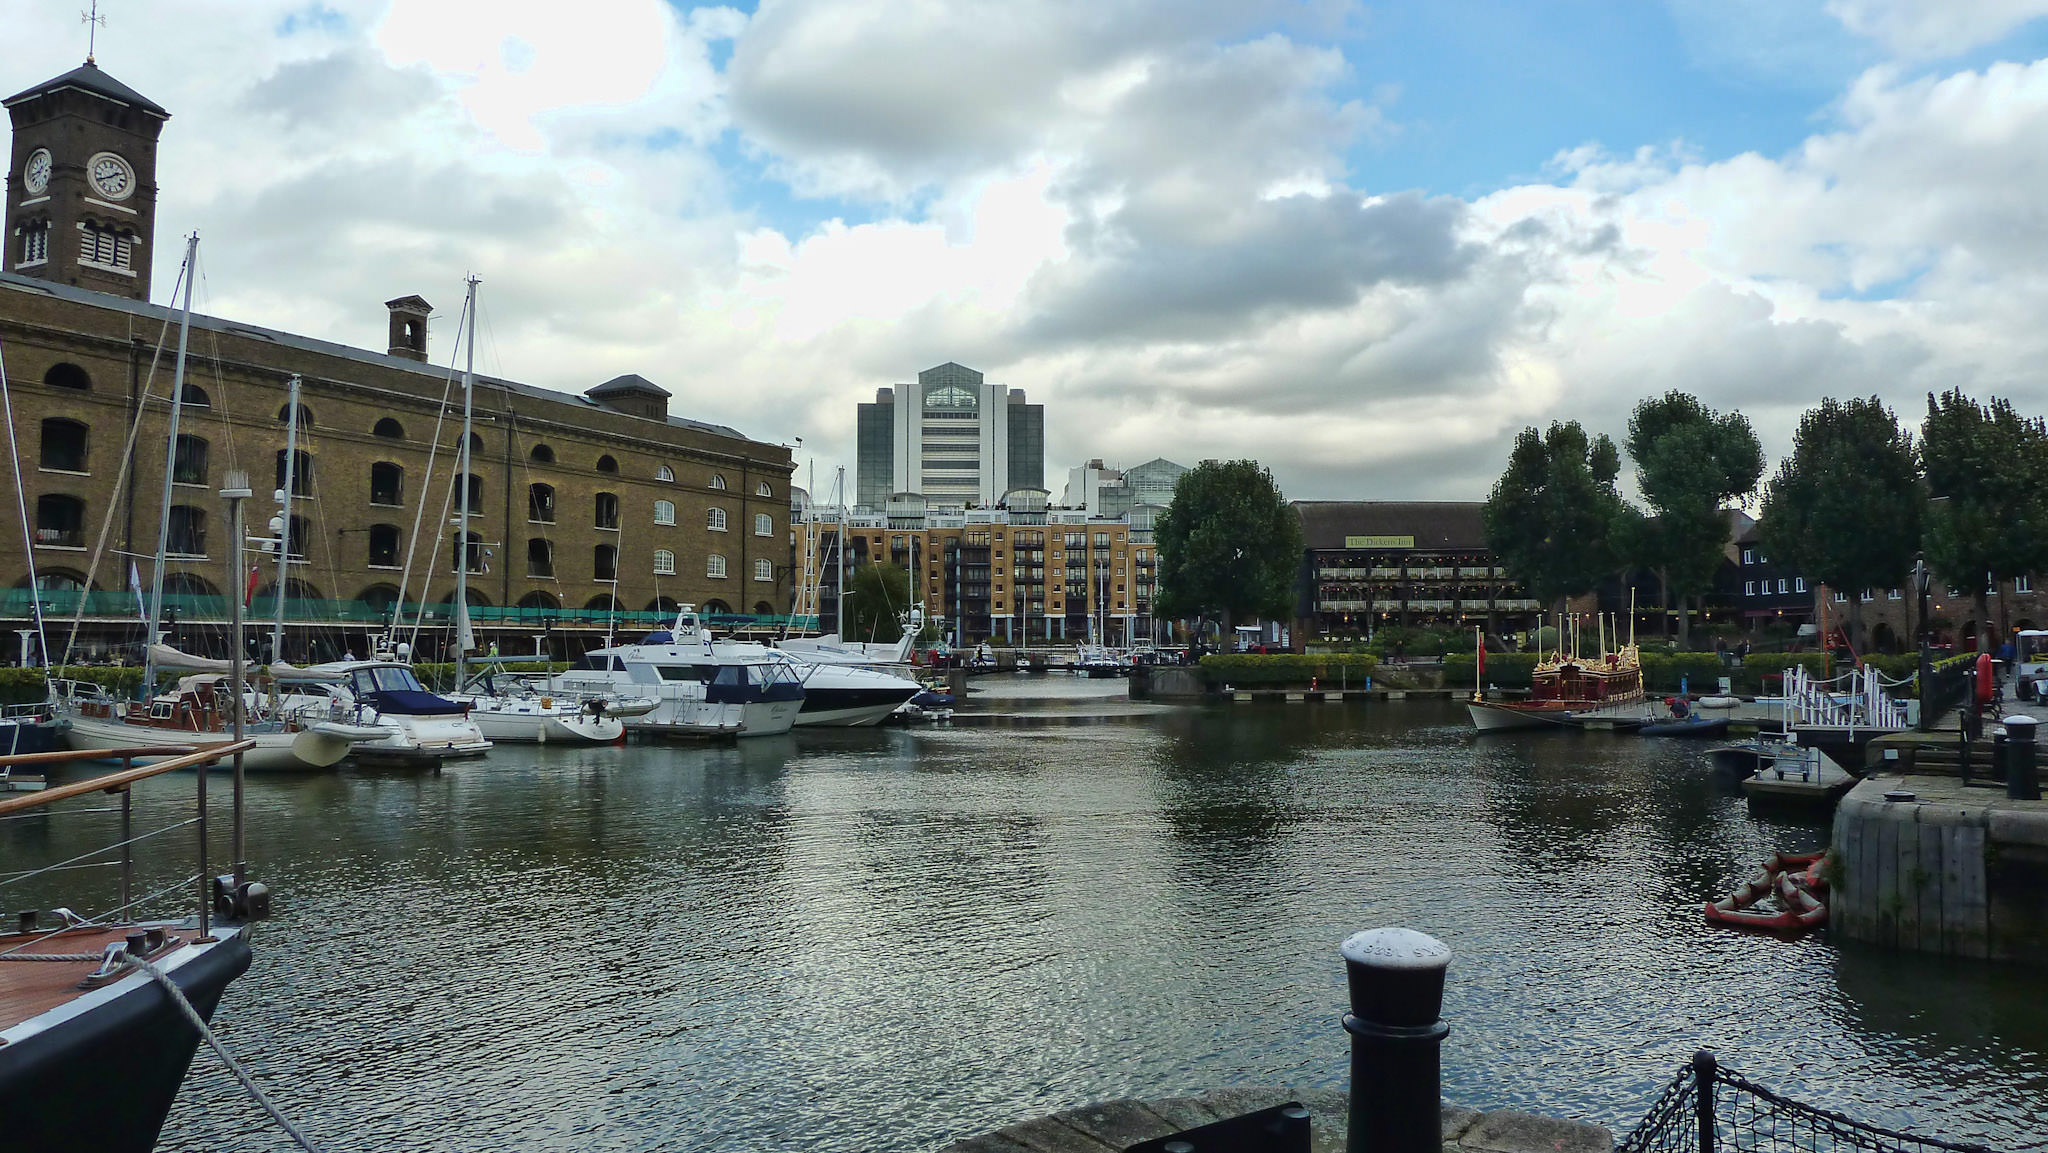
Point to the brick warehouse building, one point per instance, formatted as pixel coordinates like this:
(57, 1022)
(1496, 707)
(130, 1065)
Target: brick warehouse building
(575, 500)
(1368, 565)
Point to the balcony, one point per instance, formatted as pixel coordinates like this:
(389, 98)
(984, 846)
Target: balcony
(1384, 573)
(1431, 606)
(1516, 605)
(1475, 573)
(1344, 606)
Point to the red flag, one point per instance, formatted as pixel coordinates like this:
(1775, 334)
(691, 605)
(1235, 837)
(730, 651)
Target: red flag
(249, 594)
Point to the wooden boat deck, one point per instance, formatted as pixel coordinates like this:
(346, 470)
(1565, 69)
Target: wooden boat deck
(31, 988)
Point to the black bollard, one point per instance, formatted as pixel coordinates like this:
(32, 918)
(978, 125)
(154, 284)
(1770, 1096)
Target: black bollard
(2022, 782)
(1397, 995)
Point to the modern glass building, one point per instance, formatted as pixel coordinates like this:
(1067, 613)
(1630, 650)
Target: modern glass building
(951, 438)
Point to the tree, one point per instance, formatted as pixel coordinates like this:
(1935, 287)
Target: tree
(1845, 506)
(1987, 472)
(1228, 545)
(1551, 517)
(881, 594)
(1690, 460)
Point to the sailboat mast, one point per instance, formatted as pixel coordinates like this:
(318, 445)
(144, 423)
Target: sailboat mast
(842, 554)
(284, 515)
(163, 519)
(463, 636)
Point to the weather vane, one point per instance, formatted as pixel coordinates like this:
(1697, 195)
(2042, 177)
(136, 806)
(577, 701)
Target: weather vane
(93, 22)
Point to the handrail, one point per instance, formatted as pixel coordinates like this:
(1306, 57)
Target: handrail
(62, 755)
(115, 782)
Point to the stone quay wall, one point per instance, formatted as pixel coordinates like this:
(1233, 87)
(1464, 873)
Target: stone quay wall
(1953, 870)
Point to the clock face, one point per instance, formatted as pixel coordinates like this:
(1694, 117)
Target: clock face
(111, 177)
(35, 175)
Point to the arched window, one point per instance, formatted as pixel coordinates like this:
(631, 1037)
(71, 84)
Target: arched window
(475, 489)
(763, 609)
(763, 489)
(383, 546)
(716, 608)
(602, 603)
(476, 444)
(606, 512)
(714, 519)
(187, 531)
(540, 503)
(540, 558)
(188, 466)
(605, 463)
(764, 570)
(604, 563)
(302, 472)
(184, 584)
(541, 454)
(666, 606)
(305, 416)
(540, 600)
(764, 525)
(664, 562)
(195, 397)
(379, 598)
(64, 443)
(475, 553)
(714, 567)
(717, 481)
(60, 521)
(664, 512)
(664, 472)
(389, 429)
(387, 483)
(68, 375)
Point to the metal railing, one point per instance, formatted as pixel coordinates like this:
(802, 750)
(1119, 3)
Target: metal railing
(1708, 1109)
(61, 604)
(120, 853)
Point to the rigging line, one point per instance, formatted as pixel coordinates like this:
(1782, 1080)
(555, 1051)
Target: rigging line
(220, 382)
(28, 544)
(419, 511)
(99, 547)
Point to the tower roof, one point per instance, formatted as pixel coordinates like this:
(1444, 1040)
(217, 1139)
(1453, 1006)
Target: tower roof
(632, 382)
(89, 78)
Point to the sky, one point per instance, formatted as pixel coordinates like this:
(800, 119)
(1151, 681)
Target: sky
(1364, 244)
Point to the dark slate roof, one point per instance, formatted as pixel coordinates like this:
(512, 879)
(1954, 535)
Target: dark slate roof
(631, 382)
(159, 314)
(1447, 524)
(89, 77)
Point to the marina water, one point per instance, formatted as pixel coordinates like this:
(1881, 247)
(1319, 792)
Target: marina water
(881, 938)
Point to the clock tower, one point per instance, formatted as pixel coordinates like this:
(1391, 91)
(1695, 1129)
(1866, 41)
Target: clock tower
(81, 183)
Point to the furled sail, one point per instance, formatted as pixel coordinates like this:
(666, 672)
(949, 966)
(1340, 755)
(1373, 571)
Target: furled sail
(165, 657)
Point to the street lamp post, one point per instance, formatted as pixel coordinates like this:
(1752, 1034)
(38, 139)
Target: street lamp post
(1926, 662)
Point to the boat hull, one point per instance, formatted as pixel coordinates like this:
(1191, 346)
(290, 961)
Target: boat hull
(129, 1035)
(307, 751)
(547, 727)
(852, 707)
(1493, 718)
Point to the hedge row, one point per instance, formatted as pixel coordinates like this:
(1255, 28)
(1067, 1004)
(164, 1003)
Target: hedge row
(1328, 670)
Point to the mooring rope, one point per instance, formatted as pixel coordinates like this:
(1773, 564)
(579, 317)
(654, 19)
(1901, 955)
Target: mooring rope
(198, 1022)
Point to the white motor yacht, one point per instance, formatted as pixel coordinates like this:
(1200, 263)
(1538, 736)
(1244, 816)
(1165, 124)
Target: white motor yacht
(700, 689)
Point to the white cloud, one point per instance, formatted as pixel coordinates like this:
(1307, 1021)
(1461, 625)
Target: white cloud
(1138, 211)
(1932, 29)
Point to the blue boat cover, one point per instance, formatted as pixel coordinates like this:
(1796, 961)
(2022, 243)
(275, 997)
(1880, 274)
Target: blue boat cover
(405, 702)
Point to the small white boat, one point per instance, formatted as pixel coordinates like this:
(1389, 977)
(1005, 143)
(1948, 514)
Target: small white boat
(508, 709)
(412, 725)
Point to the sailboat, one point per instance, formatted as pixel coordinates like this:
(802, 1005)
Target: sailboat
(197, 711)
(504, 711)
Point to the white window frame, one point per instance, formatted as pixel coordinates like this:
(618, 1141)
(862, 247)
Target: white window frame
(1799, 584)
(1749, 556)
(2023, 584)
(1749, 588)
(1841, 598)
(717, 482)
(664, 472)
(714, 519)
(764, 570)
(664, 562)
(763, 489)
(664, 512)
(35, 245)
(1894, 594)
(764, 524)
(714, 567)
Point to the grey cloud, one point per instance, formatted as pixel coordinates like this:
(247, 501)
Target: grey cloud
(1285, 255)
(347, 90)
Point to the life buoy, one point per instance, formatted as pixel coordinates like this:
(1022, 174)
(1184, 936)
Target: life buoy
(1986, 685)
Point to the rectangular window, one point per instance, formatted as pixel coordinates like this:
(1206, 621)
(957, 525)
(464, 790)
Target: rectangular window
(1749, 556)
(2023, 584)
(1799, 584)
(1867, 594)
(1841, 598)
(1894, 594)
(1749, 588)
